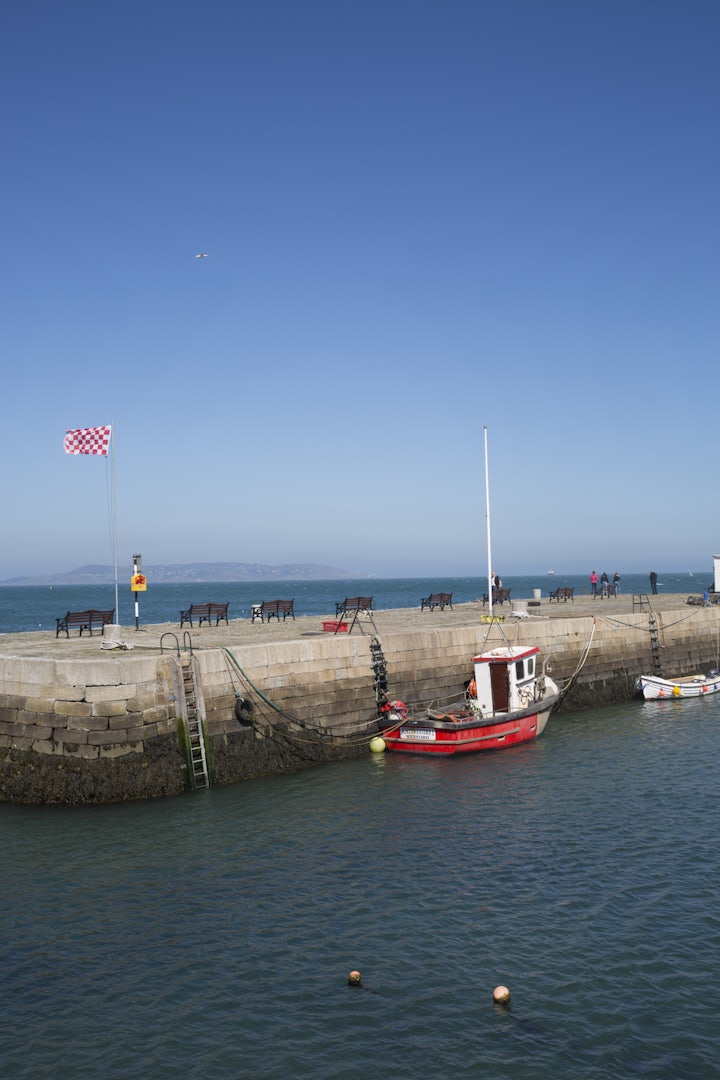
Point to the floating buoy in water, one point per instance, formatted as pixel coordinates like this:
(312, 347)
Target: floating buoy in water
(354, 978)
(377, 745)
(501, 995)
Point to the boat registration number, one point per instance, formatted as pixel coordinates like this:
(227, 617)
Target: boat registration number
(426, 734)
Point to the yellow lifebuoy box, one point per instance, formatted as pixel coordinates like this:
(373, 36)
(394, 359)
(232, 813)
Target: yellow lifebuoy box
(138, 583)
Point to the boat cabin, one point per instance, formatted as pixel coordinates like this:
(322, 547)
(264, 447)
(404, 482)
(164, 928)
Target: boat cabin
(505, 678)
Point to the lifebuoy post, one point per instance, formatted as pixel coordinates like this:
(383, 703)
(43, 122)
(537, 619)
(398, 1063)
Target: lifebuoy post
(138, 584)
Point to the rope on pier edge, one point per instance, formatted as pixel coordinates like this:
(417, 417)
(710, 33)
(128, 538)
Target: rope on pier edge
(313, 734)
(583, 658)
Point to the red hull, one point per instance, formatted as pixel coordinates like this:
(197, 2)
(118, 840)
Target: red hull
(427, 737)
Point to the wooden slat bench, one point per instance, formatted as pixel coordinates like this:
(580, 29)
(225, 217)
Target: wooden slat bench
(355, 606)
(274, 609)
(204, 613)
(84, 620)
(499, 596)
(563, 593)
(436, 599)
(353, 603)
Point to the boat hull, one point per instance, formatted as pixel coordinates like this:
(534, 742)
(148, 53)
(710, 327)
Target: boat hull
(654, 688)
(438, 738)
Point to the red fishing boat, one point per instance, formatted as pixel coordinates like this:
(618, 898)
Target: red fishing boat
(508, 702)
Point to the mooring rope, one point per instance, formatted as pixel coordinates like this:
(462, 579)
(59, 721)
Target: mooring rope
(583, 659)
(315, 733)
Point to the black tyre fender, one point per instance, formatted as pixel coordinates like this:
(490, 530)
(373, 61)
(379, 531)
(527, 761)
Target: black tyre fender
(244, 710)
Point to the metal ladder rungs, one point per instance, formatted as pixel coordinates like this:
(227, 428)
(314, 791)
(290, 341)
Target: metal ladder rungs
(196, 741)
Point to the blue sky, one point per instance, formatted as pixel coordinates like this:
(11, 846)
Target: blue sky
(420, 218)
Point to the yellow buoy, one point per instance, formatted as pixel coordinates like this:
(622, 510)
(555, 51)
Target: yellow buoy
(377, 745)
(676, 691)
(501, 995)
(354, 978)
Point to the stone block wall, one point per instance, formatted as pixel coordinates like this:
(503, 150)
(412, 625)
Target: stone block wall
(65, 724)
(101, 730)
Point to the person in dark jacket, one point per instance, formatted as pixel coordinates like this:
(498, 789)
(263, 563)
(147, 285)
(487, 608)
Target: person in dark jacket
(653, 582)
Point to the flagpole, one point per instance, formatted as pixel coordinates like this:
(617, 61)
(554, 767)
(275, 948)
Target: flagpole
(114, 517)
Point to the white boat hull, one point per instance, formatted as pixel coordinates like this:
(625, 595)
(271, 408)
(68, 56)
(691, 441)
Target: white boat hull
(689, 686)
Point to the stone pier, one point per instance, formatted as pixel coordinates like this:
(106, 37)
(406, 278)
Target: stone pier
(84, 724)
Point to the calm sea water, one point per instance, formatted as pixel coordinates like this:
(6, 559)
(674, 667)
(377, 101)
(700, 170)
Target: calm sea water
(211, 935)
(37, 607)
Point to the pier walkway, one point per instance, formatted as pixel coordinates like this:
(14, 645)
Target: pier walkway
(242, 632)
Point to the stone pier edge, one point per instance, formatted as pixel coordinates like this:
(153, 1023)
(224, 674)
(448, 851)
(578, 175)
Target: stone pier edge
(106, 729)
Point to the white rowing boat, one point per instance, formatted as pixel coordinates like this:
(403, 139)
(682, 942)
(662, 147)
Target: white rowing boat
(654, 687)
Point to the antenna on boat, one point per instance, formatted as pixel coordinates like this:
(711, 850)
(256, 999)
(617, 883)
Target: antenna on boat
(487, 519)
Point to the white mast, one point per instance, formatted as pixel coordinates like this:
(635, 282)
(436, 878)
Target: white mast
(487, 518)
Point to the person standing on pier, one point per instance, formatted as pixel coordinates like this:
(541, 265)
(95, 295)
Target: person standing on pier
(593, 582)
(653, 582)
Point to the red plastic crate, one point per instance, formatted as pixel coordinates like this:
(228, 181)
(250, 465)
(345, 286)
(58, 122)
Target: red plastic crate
(335, 628)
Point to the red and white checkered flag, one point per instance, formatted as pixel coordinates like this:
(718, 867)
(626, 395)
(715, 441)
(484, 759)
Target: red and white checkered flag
(88, 440)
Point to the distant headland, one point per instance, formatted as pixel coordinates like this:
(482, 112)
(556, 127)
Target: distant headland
(189, 572)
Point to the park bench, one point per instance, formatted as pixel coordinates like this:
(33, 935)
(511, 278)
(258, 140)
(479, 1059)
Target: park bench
(84, 620)
(204, 613)
(499, 596)
(355, 606)
(436, 599)
(353, 603)
(274, 609)
(563, 593)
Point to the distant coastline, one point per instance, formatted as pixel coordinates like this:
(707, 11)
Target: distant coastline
(177, 574)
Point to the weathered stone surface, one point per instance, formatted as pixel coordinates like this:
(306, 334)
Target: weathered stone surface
(69, 738)
(29, 777)
(117, 751)
(240, 756)
(106, 738)
(87, 723)
(109, 708)
(46, 746)
(110, 693)
(73, 708)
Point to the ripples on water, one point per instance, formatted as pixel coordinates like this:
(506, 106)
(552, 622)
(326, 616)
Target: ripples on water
(211, 935)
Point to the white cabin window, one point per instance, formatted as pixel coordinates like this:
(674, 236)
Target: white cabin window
(521, 673)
